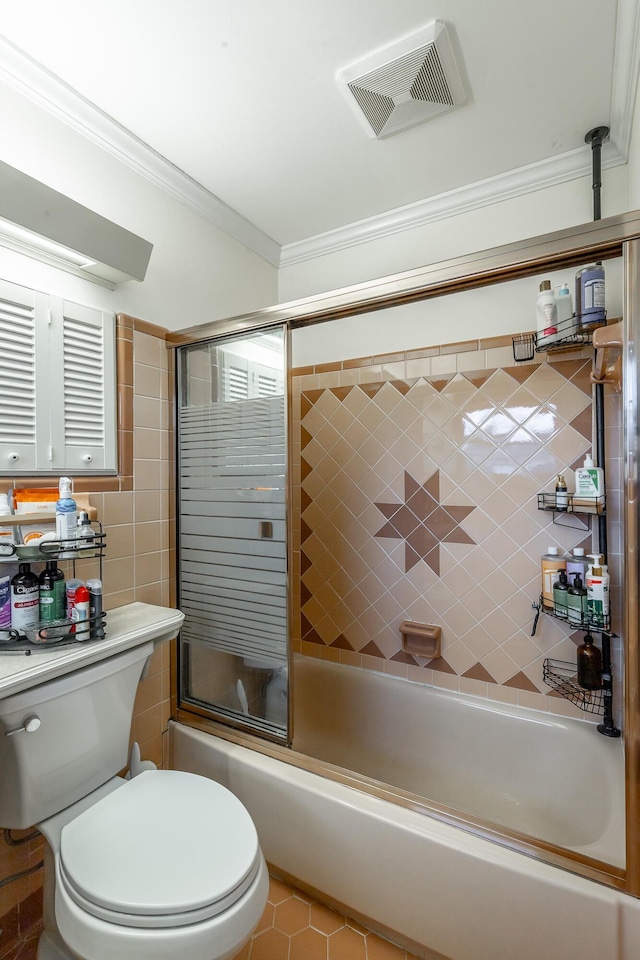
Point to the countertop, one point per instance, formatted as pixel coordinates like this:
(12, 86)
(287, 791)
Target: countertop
(126, 627)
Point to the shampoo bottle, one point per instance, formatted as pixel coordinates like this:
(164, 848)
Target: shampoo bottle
(560, 598)
(589, 664)
(578, 563)
(24, 599)
(577, 602)
(52, 592)
(552, 564)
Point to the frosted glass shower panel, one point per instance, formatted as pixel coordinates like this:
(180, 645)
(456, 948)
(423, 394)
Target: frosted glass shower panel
(232, 522)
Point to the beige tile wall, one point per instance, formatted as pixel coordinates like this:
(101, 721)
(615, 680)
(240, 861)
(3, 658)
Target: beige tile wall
(136, 512)
(467, 439)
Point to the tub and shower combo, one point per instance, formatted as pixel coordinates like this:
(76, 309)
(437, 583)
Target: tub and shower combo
(465, 826)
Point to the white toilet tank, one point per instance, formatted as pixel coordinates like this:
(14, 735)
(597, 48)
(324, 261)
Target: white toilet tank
(80, 742)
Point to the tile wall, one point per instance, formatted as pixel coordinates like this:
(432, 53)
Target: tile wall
(415, 498)
(136, 512)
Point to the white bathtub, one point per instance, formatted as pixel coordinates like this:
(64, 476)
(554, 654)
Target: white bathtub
(552, 778)
(427, 881)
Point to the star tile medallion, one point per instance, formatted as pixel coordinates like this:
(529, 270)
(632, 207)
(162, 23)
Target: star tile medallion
(423, 522)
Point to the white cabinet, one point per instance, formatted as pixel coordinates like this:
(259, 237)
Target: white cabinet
(57, 385)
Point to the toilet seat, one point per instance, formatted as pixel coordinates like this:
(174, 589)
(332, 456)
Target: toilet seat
(167, 849)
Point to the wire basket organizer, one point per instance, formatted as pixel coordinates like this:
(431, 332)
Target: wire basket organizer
(569, 334)
(561, 676)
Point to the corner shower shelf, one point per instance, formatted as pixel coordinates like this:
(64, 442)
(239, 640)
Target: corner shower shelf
(560, 675)
(571, 335)
(587, 624)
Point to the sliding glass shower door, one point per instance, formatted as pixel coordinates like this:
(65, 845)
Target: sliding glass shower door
(232, 556)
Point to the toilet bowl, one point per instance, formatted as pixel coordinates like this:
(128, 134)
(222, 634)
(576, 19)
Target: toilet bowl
(165, 865)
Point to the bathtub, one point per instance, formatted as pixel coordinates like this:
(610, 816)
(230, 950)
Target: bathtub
(422, 880)
(554, 779)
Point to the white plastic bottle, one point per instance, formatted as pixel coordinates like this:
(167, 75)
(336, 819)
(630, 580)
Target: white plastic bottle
(66, 515)
(565, 312)
(546, 315)
(589, 493)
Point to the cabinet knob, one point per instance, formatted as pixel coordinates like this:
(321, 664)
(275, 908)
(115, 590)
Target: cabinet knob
(14, 457)
(87, 458)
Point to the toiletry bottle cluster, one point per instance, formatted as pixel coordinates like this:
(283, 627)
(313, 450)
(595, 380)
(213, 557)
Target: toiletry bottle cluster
(575, 588)
(28, 600)
(72, 528)
(589, 496)
(556, 318)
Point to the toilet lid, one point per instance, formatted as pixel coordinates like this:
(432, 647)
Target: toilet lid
(166, 849)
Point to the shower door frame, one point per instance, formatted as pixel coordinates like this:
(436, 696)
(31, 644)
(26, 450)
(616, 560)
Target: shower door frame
(210, 713)
(613, 237)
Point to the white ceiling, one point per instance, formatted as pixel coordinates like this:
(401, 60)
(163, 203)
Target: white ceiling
(241, 96)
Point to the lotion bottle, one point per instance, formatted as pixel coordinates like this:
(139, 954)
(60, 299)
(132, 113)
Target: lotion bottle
(590, 486)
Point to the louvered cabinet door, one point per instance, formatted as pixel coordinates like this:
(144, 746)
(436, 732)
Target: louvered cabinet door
(83, 431)
(18, 382)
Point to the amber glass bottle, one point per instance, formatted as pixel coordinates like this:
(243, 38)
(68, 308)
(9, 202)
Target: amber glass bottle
(589, 664)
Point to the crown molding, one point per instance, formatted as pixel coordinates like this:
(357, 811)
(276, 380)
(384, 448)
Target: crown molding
(37, 83)
(626, 65)
(515, 183)
(41, 86)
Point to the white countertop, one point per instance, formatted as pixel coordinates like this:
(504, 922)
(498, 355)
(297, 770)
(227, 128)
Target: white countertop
(126, 627)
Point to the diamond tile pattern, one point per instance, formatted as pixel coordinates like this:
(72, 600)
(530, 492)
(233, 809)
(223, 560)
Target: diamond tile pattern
(418, 500)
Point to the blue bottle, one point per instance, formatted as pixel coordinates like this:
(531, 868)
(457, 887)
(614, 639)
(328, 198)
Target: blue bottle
(590, 300)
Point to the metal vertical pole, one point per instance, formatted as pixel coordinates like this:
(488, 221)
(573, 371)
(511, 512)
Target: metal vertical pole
(607, 727)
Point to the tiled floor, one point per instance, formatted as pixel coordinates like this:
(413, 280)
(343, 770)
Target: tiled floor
(293, 927)
(296, 927)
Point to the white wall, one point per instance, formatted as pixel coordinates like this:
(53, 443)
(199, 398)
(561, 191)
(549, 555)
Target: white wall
(553, 208)
(634, 159)
(196, 274)
(497, 310)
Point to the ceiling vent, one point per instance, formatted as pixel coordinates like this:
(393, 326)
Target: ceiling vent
(404, 83)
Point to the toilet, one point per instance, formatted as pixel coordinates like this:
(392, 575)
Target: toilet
(162, 866)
